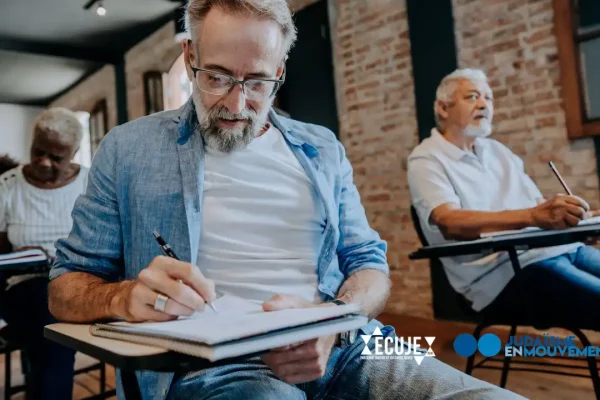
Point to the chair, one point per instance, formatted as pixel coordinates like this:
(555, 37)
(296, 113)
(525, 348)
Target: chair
(452, 306)
(9, 342)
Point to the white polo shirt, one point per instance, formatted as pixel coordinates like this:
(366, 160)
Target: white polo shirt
(492, 179)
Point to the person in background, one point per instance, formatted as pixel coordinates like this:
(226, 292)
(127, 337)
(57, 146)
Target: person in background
(36, 201)
(7, 163)
(464, 184)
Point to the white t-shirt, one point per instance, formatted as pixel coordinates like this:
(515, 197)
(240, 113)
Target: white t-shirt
(36, 217)
(491, 179)
(262, 223)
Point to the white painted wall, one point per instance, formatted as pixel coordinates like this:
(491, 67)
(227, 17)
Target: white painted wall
(16, 125)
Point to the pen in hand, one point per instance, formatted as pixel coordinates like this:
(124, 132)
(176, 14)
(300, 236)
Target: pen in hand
(164, 246)
(561, 180)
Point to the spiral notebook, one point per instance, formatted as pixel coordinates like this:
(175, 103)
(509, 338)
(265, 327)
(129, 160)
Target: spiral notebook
(25, 261)
(238, 328)
(589, 221)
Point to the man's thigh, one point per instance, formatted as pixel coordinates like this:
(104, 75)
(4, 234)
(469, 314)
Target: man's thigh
(562, 284)
(587, 258)
(354, 378)
(251, 380)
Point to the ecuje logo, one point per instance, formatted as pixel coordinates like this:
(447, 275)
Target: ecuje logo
(394, 347)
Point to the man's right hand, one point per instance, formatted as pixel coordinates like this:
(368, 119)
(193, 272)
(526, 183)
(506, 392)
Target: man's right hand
(183, 283)
(559, 212)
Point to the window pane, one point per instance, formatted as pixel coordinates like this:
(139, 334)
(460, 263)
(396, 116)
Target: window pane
(84, 155)
(590, 76)
(589, 16)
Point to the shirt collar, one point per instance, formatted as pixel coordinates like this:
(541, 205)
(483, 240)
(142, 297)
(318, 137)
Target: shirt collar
(454, 151)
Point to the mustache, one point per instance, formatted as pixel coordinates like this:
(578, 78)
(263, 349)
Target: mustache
(224, 113)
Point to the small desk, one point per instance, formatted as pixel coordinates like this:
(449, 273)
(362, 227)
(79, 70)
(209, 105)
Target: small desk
(128, 357)
(510, 243)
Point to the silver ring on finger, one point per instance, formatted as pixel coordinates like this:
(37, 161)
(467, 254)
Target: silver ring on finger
(160, 304)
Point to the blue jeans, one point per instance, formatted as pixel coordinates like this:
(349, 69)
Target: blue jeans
(560, 290)
(347, 377)
(25, 309)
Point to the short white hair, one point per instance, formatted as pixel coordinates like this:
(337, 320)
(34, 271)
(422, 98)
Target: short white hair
(447, 86)
(275, 10)
(62, 122)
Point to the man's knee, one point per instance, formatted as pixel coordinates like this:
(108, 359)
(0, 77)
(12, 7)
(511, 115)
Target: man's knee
(227, 383)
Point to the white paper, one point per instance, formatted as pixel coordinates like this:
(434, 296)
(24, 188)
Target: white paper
(589, 221)
(235, 319)
(22, 257)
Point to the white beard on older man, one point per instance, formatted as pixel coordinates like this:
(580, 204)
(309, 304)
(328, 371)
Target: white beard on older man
(484, 129)
(228, 140)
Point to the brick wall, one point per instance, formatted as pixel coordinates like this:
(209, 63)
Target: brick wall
(515, 43)
(378, 128)
(84, 96)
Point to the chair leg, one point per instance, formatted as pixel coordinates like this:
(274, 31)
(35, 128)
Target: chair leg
(506, 361)
(102, 378)
(471, 360)
(591, 362)
(7, 379)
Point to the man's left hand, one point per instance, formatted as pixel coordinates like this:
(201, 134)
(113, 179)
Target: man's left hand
(300, 362)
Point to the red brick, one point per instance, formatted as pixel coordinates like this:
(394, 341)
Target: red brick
(545, 122)
(540, 35)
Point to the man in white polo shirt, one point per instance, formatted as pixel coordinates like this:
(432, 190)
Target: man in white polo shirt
(464, 184)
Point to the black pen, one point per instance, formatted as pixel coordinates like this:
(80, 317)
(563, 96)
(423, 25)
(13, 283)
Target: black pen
(166, 249)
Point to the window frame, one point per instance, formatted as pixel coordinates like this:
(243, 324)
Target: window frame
(570, 72)
(99, 113)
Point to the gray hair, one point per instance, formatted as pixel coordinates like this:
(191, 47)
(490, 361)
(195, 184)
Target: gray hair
(447, 86)
(276, 10)
(61, 121)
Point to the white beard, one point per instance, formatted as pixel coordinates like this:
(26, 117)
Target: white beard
(484, 129)
(227, 140)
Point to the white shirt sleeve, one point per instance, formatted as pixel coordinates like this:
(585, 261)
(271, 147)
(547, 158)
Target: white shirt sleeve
(3, 207)
(429, 186)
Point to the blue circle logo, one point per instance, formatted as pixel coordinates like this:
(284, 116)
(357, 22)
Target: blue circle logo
(465, 345)
(489, 345)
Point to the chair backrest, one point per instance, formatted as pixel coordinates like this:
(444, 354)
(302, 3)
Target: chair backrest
(447, 303)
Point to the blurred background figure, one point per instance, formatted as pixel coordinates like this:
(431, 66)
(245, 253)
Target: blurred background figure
(7, 163)
(36, 200)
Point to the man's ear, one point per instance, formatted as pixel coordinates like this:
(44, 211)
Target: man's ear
(441, 109)
(74, 153)
(280, 74)
(188, 57)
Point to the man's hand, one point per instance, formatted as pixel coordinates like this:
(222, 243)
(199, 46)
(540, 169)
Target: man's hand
(560, 212)
(183, 283)
(300, 362)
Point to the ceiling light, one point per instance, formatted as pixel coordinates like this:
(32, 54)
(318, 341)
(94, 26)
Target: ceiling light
(101, 11)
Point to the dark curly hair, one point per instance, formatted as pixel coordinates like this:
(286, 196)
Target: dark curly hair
(7, 163)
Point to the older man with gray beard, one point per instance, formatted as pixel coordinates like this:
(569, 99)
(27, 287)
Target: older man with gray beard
(464, 184)
(257, 206)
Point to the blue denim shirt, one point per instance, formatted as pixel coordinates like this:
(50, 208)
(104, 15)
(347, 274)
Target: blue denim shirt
(148, 175)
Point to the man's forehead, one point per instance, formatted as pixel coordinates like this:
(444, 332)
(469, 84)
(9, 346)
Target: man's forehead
(239, 41)
(466, 85)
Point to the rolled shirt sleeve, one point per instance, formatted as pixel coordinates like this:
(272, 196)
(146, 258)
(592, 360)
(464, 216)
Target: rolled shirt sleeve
(429, 187)
(95, 243)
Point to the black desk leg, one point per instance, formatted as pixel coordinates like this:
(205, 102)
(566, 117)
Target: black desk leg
(514, 260)
(131, 386)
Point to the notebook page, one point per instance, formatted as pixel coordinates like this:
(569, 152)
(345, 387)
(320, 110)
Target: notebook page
(232, 324)
(589, 221)
(22, 257)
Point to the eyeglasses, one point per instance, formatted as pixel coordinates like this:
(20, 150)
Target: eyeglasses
(218, 83)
